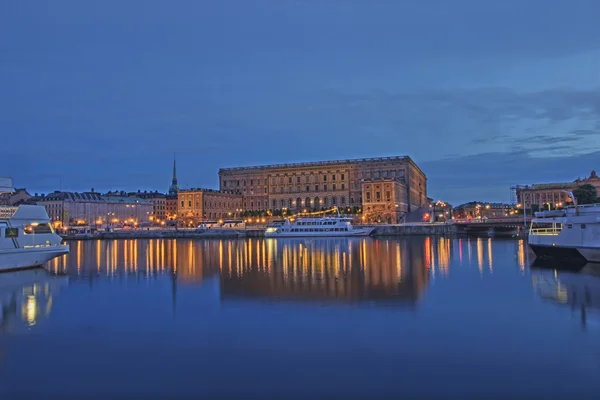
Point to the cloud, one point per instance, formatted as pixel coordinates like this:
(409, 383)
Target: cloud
(585, 132)
(490, 175)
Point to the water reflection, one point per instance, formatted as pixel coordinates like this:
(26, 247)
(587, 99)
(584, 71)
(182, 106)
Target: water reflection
(336, 268)
(237, 300)
(26, 298)
(577, 288)
(332, 269)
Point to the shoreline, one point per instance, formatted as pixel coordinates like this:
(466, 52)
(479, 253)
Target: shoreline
(379, 231)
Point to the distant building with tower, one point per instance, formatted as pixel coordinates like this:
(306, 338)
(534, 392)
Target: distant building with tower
(174, 188)
(171, 198)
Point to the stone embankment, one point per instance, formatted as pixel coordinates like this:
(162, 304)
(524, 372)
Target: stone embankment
(380, 230)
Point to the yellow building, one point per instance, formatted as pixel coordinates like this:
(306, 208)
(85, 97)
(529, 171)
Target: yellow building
(196, 205)
(323, 184)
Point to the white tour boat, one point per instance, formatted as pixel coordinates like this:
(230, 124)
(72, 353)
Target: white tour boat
(316, 227)
(27, 238)
(572, 233)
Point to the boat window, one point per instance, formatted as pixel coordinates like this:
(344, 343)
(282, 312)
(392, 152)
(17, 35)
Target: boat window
(11, 232)
(37, 229)
(583, 226)
(569, 226)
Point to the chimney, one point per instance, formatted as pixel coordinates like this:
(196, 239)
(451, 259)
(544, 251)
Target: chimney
(92, 190)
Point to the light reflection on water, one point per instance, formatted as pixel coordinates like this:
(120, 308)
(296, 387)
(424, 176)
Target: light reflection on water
(376, 316)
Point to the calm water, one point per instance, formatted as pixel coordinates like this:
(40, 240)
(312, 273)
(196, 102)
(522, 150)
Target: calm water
(330, 317)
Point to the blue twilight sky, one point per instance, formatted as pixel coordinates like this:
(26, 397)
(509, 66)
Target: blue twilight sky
(482, 94)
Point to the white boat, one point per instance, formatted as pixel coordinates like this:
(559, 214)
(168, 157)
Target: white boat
(27, 238)
(316, 227)
(571, 234)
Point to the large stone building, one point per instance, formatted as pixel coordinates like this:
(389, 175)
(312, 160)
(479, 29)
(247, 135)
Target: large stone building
(321, 185)
(552, 194)
(196, 205)
(94, 209)
(384, 200)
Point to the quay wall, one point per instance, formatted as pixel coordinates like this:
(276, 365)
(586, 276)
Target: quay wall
(414, 230)
(380, 230)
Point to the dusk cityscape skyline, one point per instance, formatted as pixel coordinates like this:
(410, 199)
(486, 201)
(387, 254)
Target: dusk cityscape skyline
(105, 105)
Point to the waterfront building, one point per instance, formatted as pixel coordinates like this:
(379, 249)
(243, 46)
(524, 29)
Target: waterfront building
(551, 195)
(322, 185)
(93, 209)
(196, 205)
(171, 207)
(384, 200)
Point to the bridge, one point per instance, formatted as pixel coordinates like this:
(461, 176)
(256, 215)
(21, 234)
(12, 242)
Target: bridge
(493, 226)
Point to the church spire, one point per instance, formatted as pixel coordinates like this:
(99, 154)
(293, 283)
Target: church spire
(174, 188)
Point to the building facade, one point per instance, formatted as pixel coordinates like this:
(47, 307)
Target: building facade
(159, 204)
(197, 205)
(552, 195)
(321, 185)
(171, 207)
(384, 200)
(93, 209)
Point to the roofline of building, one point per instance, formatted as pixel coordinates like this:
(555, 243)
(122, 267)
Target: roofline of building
(321, 163)
(206, 190)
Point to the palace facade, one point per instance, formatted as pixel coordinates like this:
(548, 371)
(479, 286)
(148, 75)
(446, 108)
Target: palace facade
(324, 184)
(384, 200)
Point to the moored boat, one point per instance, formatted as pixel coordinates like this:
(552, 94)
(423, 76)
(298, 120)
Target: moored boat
(570, 234)
(316, 227)
(27, 237)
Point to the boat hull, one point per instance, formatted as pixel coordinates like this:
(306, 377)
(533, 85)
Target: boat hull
(11, 260)
(563, 253)
(353, 233)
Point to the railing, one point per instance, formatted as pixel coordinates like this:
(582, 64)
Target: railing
(490, 220)
(7, 211)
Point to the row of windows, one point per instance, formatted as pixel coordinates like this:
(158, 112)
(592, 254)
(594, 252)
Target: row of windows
(296, 189)
(317, 223)
(319, 230)
(299, 203)
(211, 204)
(388, 196)
(316, 178)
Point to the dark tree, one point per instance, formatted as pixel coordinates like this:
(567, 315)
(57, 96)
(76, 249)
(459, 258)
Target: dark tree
(586, 194)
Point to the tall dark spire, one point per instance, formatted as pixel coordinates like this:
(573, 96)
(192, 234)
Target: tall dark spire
(174, 188)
